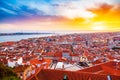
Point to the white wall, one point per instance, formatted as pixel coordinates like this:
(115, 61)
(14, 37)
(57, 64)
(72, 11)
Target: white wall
(14, 63)
(11, 63)
(59, 65)
(19, 61)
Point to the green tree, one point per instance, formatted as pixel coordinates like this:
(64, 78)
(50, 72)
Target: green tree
(7, 73)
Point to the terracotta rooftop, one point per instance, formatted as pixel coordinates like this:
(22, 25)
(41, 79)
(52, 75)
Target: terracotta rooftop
(111, 67)
(48, 54)
(36, 61)
(85, 74)
(59, 74)
(7, 43)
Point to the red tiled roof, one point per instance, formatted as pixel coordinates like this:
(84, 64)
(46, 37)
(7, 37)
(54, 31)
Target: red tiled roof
(33, 78)
(74, 55)
(7, 43)
(35, 61)
(96, 62)
(59, 54)
(108, 67)
(4, 60)
(38, 69)
(48, 54)
(92, 73)
(47, 74)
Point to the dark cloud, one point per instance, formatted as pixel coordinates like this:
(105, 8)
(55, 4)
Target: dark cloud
(29, 12)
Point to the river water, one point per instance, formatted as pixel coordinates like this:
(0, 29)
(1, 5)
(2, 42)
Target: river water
(19, 37)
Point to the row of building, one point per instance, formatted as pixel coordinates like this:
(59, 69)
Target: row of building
(70, 52)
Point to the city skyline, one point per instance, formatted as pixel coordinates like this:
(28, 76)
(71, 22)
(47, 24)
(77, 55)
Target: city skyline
(60, 15)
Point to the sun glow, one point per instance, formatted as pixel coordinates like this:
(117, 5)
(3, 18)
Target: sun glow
(98, 27)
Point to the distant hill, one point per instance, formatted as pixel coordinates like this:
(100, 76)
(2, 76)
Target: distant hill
(20, 33)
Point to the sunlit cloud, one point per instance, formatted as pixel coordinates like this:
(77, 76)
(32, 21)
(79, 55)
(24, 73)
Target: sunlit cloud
(60, 15)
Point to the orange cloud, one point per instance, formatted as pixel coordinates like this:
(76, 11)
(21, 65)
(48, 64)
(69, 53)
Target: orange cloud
(108, 14)
(101, 9)
(106, 11)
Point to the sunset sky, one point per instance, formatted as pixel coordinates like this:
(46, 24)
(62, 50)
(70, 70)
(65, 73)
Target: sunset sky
(59, 15)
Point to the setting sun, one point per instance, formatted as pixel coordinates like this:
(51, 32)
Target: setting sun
(98, 27)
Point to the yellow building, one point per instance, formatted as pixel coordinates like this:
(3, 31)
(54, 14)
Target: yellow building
(23, 71)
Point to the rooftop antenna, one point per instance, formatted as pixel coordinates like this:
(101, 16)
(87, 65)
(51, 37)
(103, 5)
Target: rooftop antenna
(65, 77)
(109, 77)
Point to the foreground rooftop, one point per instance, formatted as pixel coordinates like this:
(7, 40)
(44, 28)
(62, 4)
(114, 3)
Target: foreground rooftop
(98, 72)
